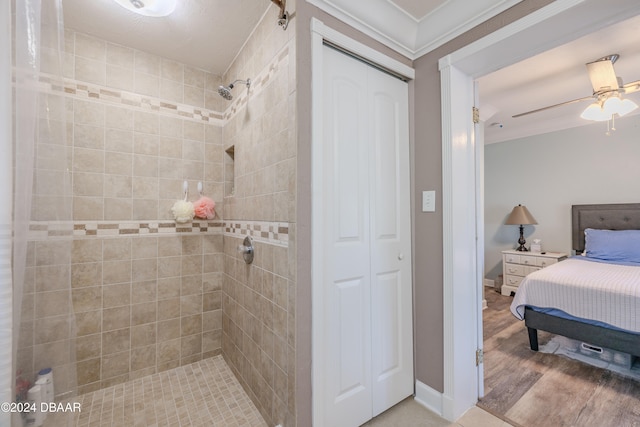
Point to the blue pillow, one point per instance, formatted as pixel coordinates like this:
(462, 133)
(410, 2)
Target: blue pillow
(613, 245)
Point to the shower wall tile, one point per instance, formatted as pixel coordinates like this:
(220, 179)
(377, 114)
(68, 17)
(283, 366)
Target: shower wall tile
(131, 321)
(118, 55)
(90, 71)
(147, 63)
(89, 136)
(194, 96)
(118, 118)
(172, 70)
(89, 113)
(117, 209)
(146, 296)
(257, 300)
(146, 84)
(171, 90)
(120, 78)
(139, 139)
(145, 303)
(90, 47)
(145, 166)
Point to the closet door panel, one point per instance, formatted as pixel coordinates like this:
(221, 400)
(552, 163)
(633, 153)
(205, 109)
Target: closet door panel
(347, 291)
(391, 306)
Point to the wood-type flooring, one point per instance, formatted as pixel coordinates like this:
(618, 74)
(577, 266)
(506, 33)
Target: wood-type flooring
(531, 389)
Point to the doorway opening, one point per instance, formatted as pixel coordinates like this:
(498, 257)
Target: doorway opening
(550, 26)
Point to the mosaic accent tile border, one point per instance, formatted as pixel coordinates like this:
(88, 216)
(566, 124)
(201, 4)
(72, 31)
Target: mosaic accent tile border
(102, 228)
(276, 233)
(90, 91)
(268, 232)
(43, 230)
(94, 92)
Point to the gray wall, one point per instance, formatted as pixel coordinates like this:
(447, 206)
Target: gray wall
(549, 173)
(427, 175)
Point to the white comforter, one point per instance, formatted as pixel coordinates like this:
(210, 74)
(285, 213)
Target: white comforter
(590, 290)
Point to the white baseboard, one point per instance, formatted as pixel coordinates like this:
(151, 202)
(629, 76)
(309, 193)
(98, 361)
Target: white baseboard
(428, 397)
(488, 283)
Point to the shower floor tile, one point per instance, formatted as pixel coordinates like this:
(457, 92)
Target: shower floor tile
(205, 393)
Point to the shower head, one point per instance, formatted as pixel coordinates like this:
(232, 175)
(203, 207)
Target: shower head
(225, 91)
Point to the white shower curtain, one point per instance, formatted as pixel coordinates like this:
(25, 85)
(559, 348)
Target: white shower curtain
(6, 194)
(41, 190)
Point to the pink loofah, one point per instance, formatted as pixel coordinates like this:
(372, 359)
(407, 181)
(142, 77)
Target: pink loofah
(204, 208)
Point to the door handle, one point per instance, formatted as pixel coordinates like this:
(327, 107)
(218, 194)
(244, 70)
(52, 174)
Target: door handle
(400, 256)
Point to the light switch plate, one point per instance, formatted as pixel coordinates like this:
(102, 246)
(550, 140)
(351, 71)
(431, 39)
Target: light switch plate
(429, 201)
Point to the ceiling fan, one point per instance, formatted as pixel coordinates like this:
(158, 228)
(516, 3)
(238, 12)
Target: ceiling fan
(606, 87)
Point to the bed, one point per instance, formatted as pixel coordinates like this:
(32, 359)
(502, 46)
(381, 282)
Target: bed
(591, 313)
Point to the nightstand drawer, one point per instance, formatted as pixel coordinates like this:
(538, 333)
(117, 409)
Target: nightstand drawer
(545, 262)
(515, 269)
(528, 259)
(515, 259)
(512, 280)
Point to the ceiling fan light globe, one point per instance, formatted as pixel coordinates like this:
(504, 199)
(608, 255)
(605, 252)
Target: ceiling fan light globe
(595, 112)
(626, 106)
(612, 105)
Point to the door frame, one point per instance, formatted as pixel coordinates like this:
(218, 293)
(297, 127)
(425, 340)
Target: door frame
(546, 28)
(319, 34)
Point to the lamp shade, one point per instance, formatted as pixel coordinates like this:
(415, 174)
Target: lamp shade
(520, 215)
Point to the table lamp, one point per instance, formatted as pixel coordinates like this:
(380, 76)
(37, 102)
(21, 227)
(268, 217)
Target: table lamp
(521, 216)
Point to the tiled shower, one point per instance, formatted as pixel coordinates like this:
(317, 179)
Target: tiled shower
(150, 295)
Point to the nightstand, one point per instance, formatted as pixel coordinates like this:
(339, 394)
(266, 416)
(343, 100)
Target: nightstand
(516, 265)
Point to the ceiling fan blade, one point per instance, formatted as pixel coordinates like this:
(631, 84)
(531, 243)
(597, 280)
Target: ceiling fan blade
(602, 74)
(573, 101)
(631, 87)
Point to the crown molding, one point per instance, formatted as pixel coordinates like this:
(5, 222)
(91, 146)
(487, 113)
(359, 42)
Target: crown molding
(375, 18)
(385, 22)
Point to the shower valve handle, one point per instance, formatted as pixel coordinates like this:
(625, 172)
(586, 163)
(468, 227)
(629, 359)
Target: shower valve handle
(246, 249)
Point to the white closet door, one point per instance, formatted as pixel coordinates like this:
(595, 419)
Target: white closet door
(391, 290)
(367, 252)
(347, 293)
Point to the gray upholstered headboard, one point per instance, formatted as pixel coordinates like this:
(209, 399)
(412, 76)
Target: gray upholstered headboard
(624, 216)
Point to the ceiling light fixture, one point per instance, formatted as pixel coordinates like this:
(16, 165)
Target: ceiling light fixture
(604, 109)
(155, 8)
(607, 91)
